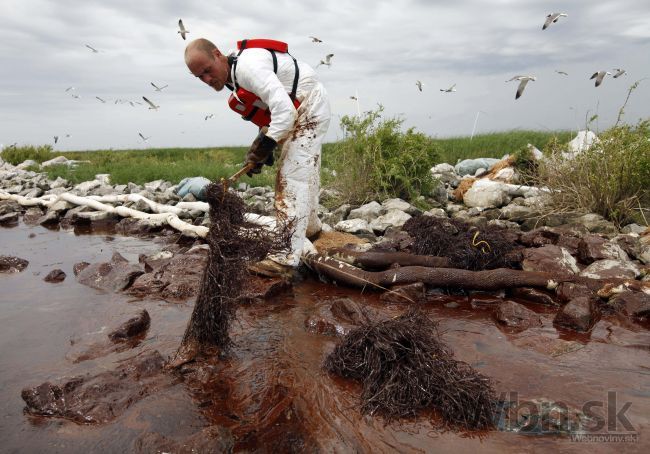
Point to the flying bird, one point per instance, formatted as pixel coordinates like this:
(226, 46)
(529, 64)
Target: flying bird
(354, 98)
(327, 61)
(418, 84)
(92, 48)
(562, 72)
(182, 30)
(599, 76)
(208, 116)
(56, 139)
(75, 96)
(69, 88)
(523, 80)
(152, 105)
(159, 88)
(143, 137)
(103, 102)
(450, 89)
(552, 18)
(619, 72)
(315, 40)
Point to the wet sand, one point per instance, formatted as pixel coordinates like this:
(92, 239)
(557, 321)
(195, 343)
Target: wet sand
(272, 392)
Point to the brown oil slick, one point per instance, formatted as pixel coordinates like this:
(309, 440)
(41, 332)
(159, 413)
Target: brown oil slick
(272, 393)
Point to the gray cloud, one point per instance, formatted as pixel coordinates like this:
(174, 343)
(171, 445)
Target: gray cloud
(380, 49)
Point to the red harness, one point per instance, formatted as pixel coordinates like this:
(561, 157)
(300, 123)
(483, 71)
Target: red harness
(248, 104)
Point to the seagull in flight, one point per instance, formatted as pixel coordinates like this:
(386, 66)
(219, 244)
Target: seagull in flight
(143, 137)
(327, 61)
(103, 102)
(76, 96)
(619, 72)
(69, 88)
(159, 88)
(92, 48)
(152, 105)
(315, 40)
(354, 98)
(418, 84)
(208, 116)
(56, 139)
(523, 80)
(552, 18)
(182, 29)
(450, 89)
(599, 76)
(562, 72)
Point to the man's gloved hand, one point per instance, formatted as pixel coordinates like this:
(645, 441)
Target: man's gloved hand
(260, 153)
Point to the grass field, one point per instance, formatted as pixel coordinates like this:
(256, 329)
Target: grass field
(174, 164)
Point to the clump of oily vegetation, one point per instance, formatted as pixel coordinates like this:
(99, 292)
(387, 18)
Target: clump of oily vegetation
(611, 178)
(463, 244)
(376, 159)
(404, 368)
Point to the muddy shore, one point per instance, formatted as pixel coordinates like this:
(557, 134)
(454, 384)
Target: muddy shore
(271, 394)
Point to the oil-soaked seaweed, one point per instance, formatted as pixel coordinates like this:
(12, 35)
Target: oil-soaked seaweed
(234, 244)
(466, 246)
(404, 367)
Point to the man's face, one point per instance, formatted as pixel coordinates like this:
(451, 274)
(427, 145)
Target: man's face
(212, 68)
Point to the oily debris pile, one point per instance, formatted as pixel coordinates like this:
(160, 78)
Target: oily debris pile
(466, 246)
(405, 367)
(234, 244)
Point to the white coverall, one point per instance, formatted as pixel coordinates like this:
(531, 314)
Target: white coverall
(299, 133)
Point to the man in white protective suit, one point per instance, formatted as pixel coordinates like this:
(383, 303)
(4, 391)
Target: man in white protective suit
(284, 98)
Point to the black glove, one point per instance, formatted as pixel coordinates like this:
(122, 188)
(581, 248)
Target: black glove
(260, 153)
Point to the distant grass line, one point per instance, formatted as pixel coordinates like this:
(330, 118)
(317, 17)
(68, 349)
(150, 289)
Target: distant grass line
(174, 164)
(495, 144)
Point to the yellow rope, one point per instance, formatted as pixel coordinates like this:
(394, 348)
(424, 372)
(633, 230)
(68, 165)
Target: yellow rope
(476, 244)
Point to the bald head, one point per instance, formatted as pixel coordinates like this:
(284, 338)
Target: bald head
(199, 45)
(207, 63)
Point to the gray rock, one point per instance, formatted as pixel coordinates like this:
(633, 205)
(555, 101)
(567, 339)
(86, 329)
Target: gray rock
(517, 213)
(516, 316)
(131, 328)
(27, 163)
(337, 215)
(9, 264)
(595, 223)
(353, 226)
(59, 183)
(116, 275)
(549, 258)
(399, 204)
(633, 228)
(611, 269)
(259, 191)
(367, 212)
(580, 314)
(436, 213)
(59, 160)
(393, 218)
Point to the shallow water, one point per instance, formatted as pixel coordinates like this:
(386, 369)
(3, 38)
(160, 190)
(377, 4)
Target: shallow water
(271, 392)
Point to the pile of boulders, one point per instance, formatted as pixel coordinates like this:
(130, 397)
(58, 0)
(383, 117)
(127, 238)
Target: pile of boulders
(586, 245)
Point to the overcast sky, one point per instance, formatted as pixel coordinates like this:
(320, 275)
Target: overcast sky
(380, 49)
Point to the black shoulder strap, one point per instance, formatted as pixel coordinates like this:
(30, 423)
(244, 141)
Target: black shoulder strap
(294, 87)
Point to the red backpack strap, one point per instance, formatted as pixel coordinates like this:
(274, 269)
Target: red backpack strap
(269, 44)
